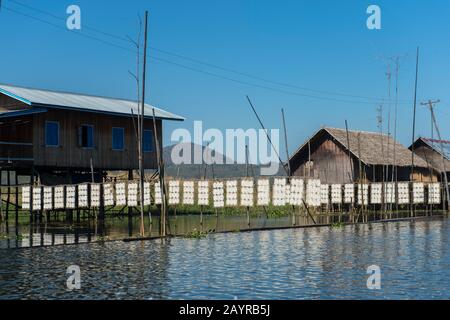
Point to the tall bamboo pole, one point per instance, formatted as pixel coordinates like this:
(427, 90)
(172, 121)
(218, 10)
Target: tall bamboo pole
(141, 129)
(414, 124)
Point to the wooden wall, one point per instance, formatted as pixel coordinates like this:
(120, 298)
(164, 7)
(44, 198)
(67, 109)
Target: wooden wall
(70, 155)
(330, 163)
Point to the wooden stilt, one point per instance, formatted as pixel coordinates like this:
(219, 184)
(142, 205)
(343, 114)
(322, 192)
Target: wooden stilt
(1, 197)
(16, 182)
(8, 196)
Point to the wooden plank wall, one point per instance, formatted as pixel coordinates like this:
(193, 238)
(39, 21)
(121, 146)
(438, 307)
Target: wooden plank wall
(70, 155)
(330, 163)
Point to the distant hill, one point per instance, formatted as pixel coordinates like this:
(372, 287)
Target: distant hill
(198, 171)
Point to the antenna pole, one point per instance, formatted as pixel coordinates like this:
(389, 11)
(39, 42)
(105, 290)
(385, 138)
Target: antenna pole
(414, 116)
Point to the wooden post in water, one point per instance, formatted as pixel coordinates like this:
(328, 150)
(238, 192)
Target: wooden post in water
(161, 181)
(246, 167)
(1, 196)
(16, 182)
(8, 196)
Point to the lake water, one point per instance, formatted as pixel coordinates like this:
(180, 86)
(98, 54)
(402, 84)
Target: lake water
(312, 263)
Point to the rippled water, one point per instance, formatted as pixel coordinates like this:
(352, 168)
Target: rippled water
(313, 263)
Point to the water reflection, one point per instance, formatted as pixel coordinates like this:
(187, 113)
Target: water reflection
(51, 230)
(322, 263)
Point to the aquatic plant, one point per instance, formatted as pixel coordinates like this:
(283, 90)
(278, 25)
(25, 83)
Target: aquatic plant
(197, 234)
(337, 225)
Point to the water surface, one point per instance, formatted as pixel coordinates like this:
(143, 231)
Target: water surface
(313, 263)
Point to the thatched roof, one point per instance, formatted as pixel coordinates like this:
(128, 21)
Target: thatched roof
(430, 151)
(371, 147)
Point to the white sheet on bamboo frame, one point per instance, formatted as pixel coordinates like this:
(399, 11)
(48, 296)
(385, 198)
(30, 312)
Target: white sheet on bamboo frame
(376, 193)
(147, 194)
(389, 193)
(26, 197)
(363, 194)
(174, 192)
(218, 194)
(231, 193)
(37, 198)
(121, 194)
(188, 192)
(59, 197)
(279, 192)
(48, 198)
(95, 195)
(70, 197)
(349, 193)
(132, 197)
(418, 192)
(325, 194)
(108, 194)
(297, 192)
(83, 196)
(203, 192)
(434, 193)
(158, 193)
(263, 189)
(247, 192)
(336, 194)
(403, 193)
(313, 193)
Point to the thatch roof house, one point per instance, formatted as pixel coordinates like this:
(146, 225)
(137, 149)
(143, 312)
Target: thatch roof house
(335, 156)
(430, 150)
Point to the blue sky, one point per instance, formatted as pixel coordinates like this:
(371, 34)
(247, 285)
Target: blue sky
(320, 45)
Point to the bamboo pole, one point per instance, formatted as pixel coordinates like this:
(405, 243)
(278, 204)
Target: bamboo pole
(141, 129)
(161, 180)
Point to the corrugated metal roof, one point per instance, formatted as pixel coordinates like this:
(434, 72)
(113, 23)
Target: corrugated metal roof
(82, 102)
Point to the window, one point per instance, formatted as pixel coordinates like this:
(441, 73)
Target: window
(52, 134)
(118, 139)
(148, 141)
(86, 136)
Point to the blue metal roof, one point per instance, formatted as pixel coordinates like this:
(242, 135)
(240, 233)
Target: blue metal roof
(19, 113)
(82, 102)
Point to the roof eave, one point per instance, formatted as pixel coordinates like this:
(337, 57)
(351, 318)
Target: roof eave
(14, 96)
(22, 113)
(118, 114)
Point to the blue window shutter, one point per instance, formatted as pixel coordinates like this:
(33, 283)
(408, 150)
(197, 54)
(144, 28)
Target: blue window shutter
(148, 141)
(118, 138)
(52, 134)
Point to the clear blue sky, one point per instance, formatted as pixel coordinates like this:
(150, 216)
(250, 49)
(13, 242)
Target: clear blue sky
(321, 45)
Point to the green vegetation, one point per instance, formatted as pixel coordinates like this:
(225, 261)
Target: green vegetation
(197, 234)
(271, 211)
(337, 225)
